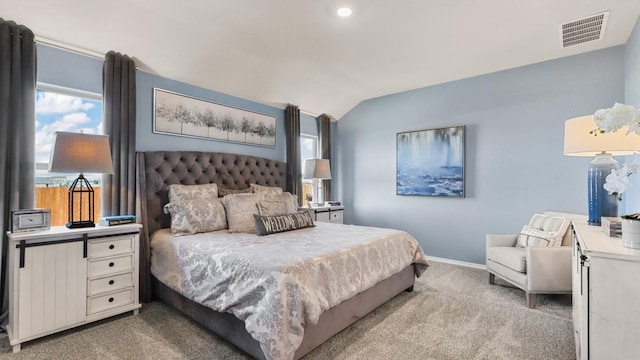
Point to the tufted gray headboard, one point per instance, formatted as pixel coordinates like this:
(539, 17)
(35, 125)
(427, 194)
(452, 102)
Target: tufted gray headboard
(159, 169)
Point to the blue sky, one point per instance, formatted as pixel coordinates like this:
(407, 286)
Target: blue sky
(57, 112)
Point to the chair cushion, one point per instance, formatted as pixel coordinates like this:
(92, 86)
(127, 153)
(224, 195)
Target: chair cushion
(512, 257)
(543, 230)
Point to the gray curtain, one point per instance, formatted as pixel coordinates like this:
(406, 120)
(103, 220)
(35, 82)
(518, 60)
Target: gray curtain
(17, 131)
(294, 171)
(146, 292)
(324, 140)
(119, 109)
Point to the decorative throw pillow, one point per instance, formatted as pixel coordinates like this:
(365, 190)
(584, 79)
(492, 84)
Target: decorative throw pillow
(291, 201)
(255, 188)
(273, 207)
(240, 209)
(197, 216)
(266, 225)
(534, 237)
(223, 191)
(178, 192)
(543, 230)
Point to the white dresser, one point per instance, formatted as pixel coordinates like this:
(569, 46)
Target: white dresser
(606, 296)
(327, 213)
(62, 278)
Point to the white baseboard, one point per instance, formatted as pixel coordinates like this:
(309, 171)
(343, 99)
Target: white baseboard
(457, 262)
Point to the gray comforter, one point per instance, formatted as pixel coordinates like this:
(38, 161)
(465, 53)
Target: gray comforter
(278, 283)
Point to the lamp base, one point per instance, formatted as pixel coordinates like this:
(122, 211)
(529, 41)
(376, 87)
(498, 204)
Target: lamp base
(80, 224)
(600, 202)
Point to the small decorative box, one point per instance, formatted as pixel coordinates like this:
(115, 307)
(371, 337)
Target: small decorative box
(612, 226)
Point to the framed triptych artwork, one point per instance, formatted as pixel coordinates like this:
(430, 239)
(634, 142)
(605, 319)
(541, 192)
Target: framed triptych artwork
(183, 115)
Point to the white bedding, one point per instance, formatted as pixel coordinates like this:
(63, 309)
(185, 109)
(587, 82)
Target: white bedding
(278, 283)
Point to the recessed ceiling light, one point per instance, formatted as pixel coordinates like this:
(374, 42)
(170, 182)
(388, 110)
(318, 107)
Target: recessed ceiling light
(344, 12)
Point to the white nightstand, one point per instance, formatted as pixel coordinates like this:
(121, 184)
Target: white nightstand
(62, 278)
(331, 214)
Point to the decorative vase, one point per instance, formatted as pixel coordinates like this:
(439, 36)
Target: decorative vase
(601, 203)
(631, 233)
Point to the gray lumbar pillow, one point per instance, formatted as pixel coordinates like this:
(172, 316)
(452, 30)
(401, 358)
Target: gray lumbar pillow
(266, 225)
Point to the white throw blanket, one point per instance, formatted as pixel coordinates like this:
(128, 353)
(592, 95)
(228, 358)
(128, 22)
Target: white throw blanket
(278, 283)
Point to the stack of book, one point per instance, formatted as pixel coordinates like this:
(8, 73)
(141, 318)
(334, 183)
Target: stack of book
(117, 220)
(612, 226)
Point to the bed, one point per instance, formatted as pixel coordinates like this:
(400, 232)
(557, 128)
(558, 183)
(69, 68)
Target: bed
(322, 318)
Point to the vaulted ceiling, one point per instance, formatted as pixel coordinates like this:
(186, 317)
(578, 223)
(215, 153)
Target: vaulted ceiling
(299, 51)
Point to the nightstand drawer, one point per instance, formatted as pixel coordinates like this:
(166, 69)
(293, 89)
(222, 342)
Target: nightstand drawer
(110, 246)
(109, 283)
(323, 216)
(108, 301)
(110, 265)
(336, 216)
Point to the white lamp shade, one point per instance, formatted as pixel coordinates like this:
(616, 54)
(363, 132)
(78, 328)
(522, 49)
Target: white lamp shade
(80, 153)
(579, 142)
(317, 169)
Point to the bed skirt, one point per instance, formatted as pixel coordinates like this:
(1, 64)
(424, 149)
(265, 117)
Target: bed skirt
(330, 322)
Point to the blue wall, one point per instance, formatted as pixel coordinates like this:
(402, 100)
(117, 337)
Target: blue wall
(515, 166)
(632, 97)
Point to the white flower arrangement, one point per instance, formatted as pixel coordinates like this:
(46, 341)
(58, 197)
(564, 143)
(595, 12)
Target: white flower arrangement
(612, 120)
(617, 117)
(618, 181)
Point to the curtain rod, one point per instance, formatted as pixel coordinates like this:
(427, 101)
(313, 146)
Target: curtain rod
(69, 47)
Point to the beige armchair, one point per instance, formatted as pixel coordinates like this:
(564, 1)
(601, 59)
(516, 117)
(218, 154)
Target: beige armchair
(535, 269)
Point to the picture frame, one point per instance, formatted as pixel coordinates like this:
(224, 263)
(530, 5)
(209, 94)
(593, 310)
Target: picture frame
(30, 220)
(184, 115)
(431, 162)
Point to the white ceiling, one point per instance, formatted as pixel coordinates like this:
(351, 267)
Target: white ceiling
(300, 52)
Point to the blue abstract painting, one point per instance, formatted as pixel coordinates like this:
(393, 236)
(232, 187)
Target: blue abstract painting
(430, 162)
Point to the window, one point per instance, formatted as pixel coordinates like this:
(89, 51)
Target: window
(61, 109)
(308, 150)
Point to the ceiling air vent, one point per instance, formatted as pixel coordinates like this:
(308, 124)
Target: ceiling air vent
(584, 30)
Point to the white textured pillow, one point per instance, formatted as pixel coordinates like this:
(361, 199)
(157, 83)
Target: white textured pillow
(178, 192)
(240, 209)
(291, 201)
(192, 217)
(255, 188)
(272, 207)
(543, 230)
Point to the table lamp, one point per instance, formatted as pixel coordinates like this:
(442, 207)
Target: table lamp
(317, 169)
(80, 153)
(578, 141)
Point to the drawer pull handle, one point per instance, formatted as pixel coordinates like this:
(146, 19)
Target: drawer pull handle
(110, 299)
(111, 264)
(111, 282)
(111, 247)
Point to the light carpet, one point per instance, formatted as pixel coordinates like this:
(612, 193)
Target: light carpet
(453, 313)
